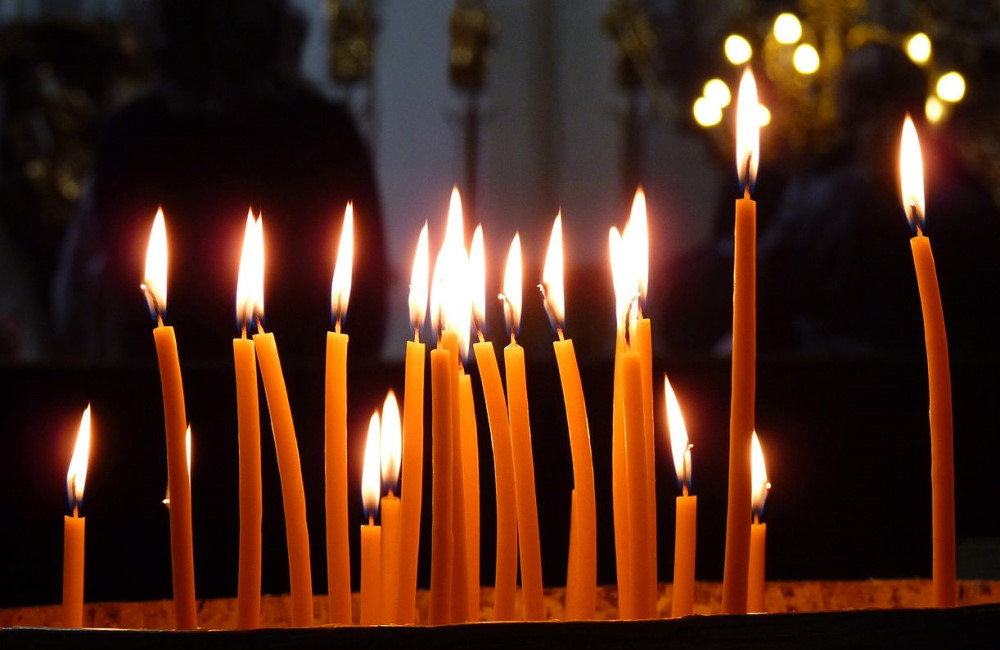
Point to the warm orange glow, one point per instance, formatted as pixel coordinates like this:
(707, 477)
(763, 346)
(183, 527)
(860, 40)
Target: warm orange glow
(747, 131)
(154, 283)
(419, 278)
(340, 288)
(680, 447)
(512, 287)
(187, 447)
(477, 278)
(371, 485)
(451, 302)
(622, 278)
(636, 238)
(911, 174)
(391, 441)
(758, 476)
(76, 477)
(437, 294)
(553, 291)
(250, 284)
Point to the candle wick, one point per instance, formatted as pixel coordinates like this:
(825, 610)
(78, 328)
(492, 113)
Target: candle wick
(479, 333)
(513, 341)
(416, 335)
(76, 509)
(159, 319)
(243, 332)
(260, 327)
(559, 331)
(684, 489)
(371, 520)
(336, 325)
(746, 188)
(756, 518)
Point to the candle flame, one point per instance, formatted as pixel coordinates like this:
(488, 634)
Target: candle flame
(250, 283)
(553, 289)
(340, 288)
(747, 131)
(758, 476)
(636, 237)
(911, 174)
(370, 484)
(437, 294)
(511, 296)
(680, 446)
(391, 442)
(624, 280)
(477, 278)
(451, 302)
(154, 283)
(76, 477)
(418, 282)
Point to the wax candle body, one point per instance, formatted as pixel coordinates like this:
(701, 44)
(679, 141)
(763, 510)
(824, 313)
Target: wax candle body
(470, 473)
(293, 496)
(338, 555)
(756, 580)
(942, 445)
(181, 536)
(251, 509)
(74, 530)
(391, 541)
(685, 538)
(619, 491)
(524, 484)
(641, 574)
(413, 474)
(460, 540)
(371, 574)
(441, 489)
(503, 461)
(581, 577)
(644, 346)
(741, 415)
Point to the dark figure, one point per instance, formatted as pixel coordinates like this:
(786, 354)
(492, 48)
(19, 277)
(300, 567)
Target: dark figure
(232, 127)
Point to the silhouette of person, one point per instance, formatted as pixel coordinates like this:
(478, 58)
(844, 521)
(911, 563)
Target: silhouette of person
(231, 126)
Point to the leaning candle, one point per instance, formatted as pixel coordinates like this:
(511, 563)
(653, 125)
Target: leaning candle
(391, 448)
(581, 574)
(338, 556)
(181, 538)
(371, 535)
(758, 530)
(413, 437)
(74, 528)
(685, 531)
(741, 415)
(938, 374)
(249, 305)
(520, 432)
(293, 495)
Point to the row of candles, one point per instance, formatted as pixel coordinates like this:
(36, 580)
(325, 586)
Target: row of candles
(456, 294)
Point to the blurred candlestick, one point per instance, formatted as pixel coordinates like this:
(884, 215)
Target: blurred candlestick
(391, 449)
(758, 530)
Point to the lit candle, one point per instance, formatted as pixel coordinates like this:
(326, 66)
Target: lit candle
(503, 459)
(938, 373)
(741, 416)
(391, 448)
(413, 436)
(338, 555)
(685, 531)
(758, 529)
(181, 538)
(581, 573)
(293, 495)
(249, 306)
(74, 528)
(520, 432)
(371, 535)
(470, 479)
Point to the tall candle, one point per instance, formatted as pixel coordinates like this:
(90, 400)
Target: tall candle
(741, 416)
(371, 535)
(685, 530)
(938, 374)
(74, 528)
(413, 437)
(520, 433)
(391, 449)
(470, 474)
(642, 574)
(619, 474)
(581, 574)
(175, 421)
(249, 304)
(758, 530)
(338, 557)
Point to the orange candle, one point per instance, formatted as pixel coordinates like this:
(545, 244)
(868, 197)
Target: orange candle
(938, 374)
(470, 474)
(642, 575)
(413, 438)
(685, 530)
(391, 448)
(619, 475)
(758, 530)
(581, 573)
(741, 417)
(74, 528)
(338, 556)
(371, 535)
(249, 300)
(175, 420)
